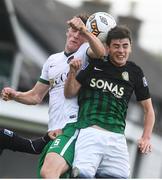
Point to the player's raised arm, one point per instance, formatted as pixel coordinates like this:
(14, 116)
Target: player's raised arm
(96, 49)
(72, 86)
(99, 24)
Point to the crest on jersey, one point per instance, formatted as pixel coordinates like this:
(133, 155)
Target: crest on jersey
(125, 76)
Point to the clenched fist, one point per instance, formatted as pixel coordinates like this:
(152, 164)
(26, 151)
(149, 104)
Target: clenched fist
(8, 94)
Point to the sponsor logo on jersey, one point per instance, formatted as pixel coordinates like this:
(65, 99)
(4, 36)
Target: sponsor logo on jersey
(145, 84)
(59, 81)
(107, 87)
(125, 76)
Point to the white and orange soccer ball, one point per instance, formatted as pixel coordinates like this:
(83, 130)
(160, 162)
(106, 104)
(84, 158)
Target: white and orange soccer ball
(100, 24)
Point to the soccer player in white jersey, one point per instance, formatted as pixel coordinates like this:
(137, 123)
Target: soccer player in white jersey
(52, 79)
(54, 72)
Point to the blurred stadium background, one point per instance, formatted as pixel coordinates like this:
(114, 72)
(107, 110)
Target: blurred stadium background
(31, 30)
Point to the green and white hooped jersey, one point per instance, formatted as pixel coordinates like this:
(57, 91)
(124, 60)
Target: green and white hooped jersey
(105, 94)
(54, 73)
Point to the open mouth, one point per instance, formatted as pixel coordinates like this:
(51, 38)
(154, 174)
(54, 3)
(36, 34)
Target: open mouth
(120, 57)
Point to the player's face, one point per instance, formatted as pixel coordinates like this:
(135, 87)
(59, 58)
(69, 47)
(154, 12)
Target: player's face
(119, 51)
(74, 40)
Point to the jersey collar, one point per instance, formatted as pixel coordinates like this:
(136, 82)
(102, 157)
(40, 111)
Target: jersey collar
(68, 54)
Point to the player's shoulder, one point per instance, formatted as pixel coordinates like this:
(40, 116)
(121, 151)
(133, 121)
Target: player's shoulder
(84, 45)
(133, 66)
(83, 48)
(53, 58)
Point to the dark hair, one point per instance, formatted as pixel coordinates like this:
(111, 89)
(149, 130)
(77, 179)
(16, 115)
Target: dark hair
(118, 32)
(83, 17)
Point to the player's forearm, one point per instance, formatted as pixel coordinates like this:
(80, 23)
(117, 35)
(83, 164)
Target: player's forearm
(71, 87)
(97, 49)
(148, 124)
(28, 98)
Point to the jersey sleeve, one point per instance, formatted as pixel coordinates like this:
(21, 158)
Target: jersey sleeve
(44, 74)
(82, 54)
(141, 86)
(84, 74)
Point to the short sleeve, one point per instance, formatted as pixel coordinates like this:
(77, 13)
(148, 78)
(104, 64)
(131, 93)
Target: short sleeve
(141, 86)
(44, 73)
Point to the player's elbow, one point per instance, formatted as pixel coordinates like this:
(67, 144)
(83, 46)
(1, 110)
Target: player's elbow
(36, 100)
(101, 53)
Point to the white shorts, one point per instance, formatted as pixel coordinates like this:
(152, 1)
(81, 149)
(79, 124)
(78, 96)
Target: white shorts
(101, 152)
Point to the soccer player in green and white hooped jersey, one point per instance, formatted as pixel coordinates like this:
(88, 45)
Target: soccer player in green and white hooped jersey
(104, 89)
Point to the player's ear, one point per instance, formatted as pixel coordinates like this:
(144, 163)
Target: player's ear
(130, 48)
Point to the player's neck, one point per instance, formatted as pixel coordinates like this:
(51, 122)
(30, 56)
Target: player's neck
(68, 53)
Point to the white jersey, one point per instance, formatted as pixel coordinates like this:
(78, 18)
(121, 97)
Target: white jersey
(54, 72)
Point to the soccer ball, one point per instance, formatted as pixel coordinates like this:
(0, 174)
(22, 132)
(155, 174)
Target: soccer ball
(100, 24)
